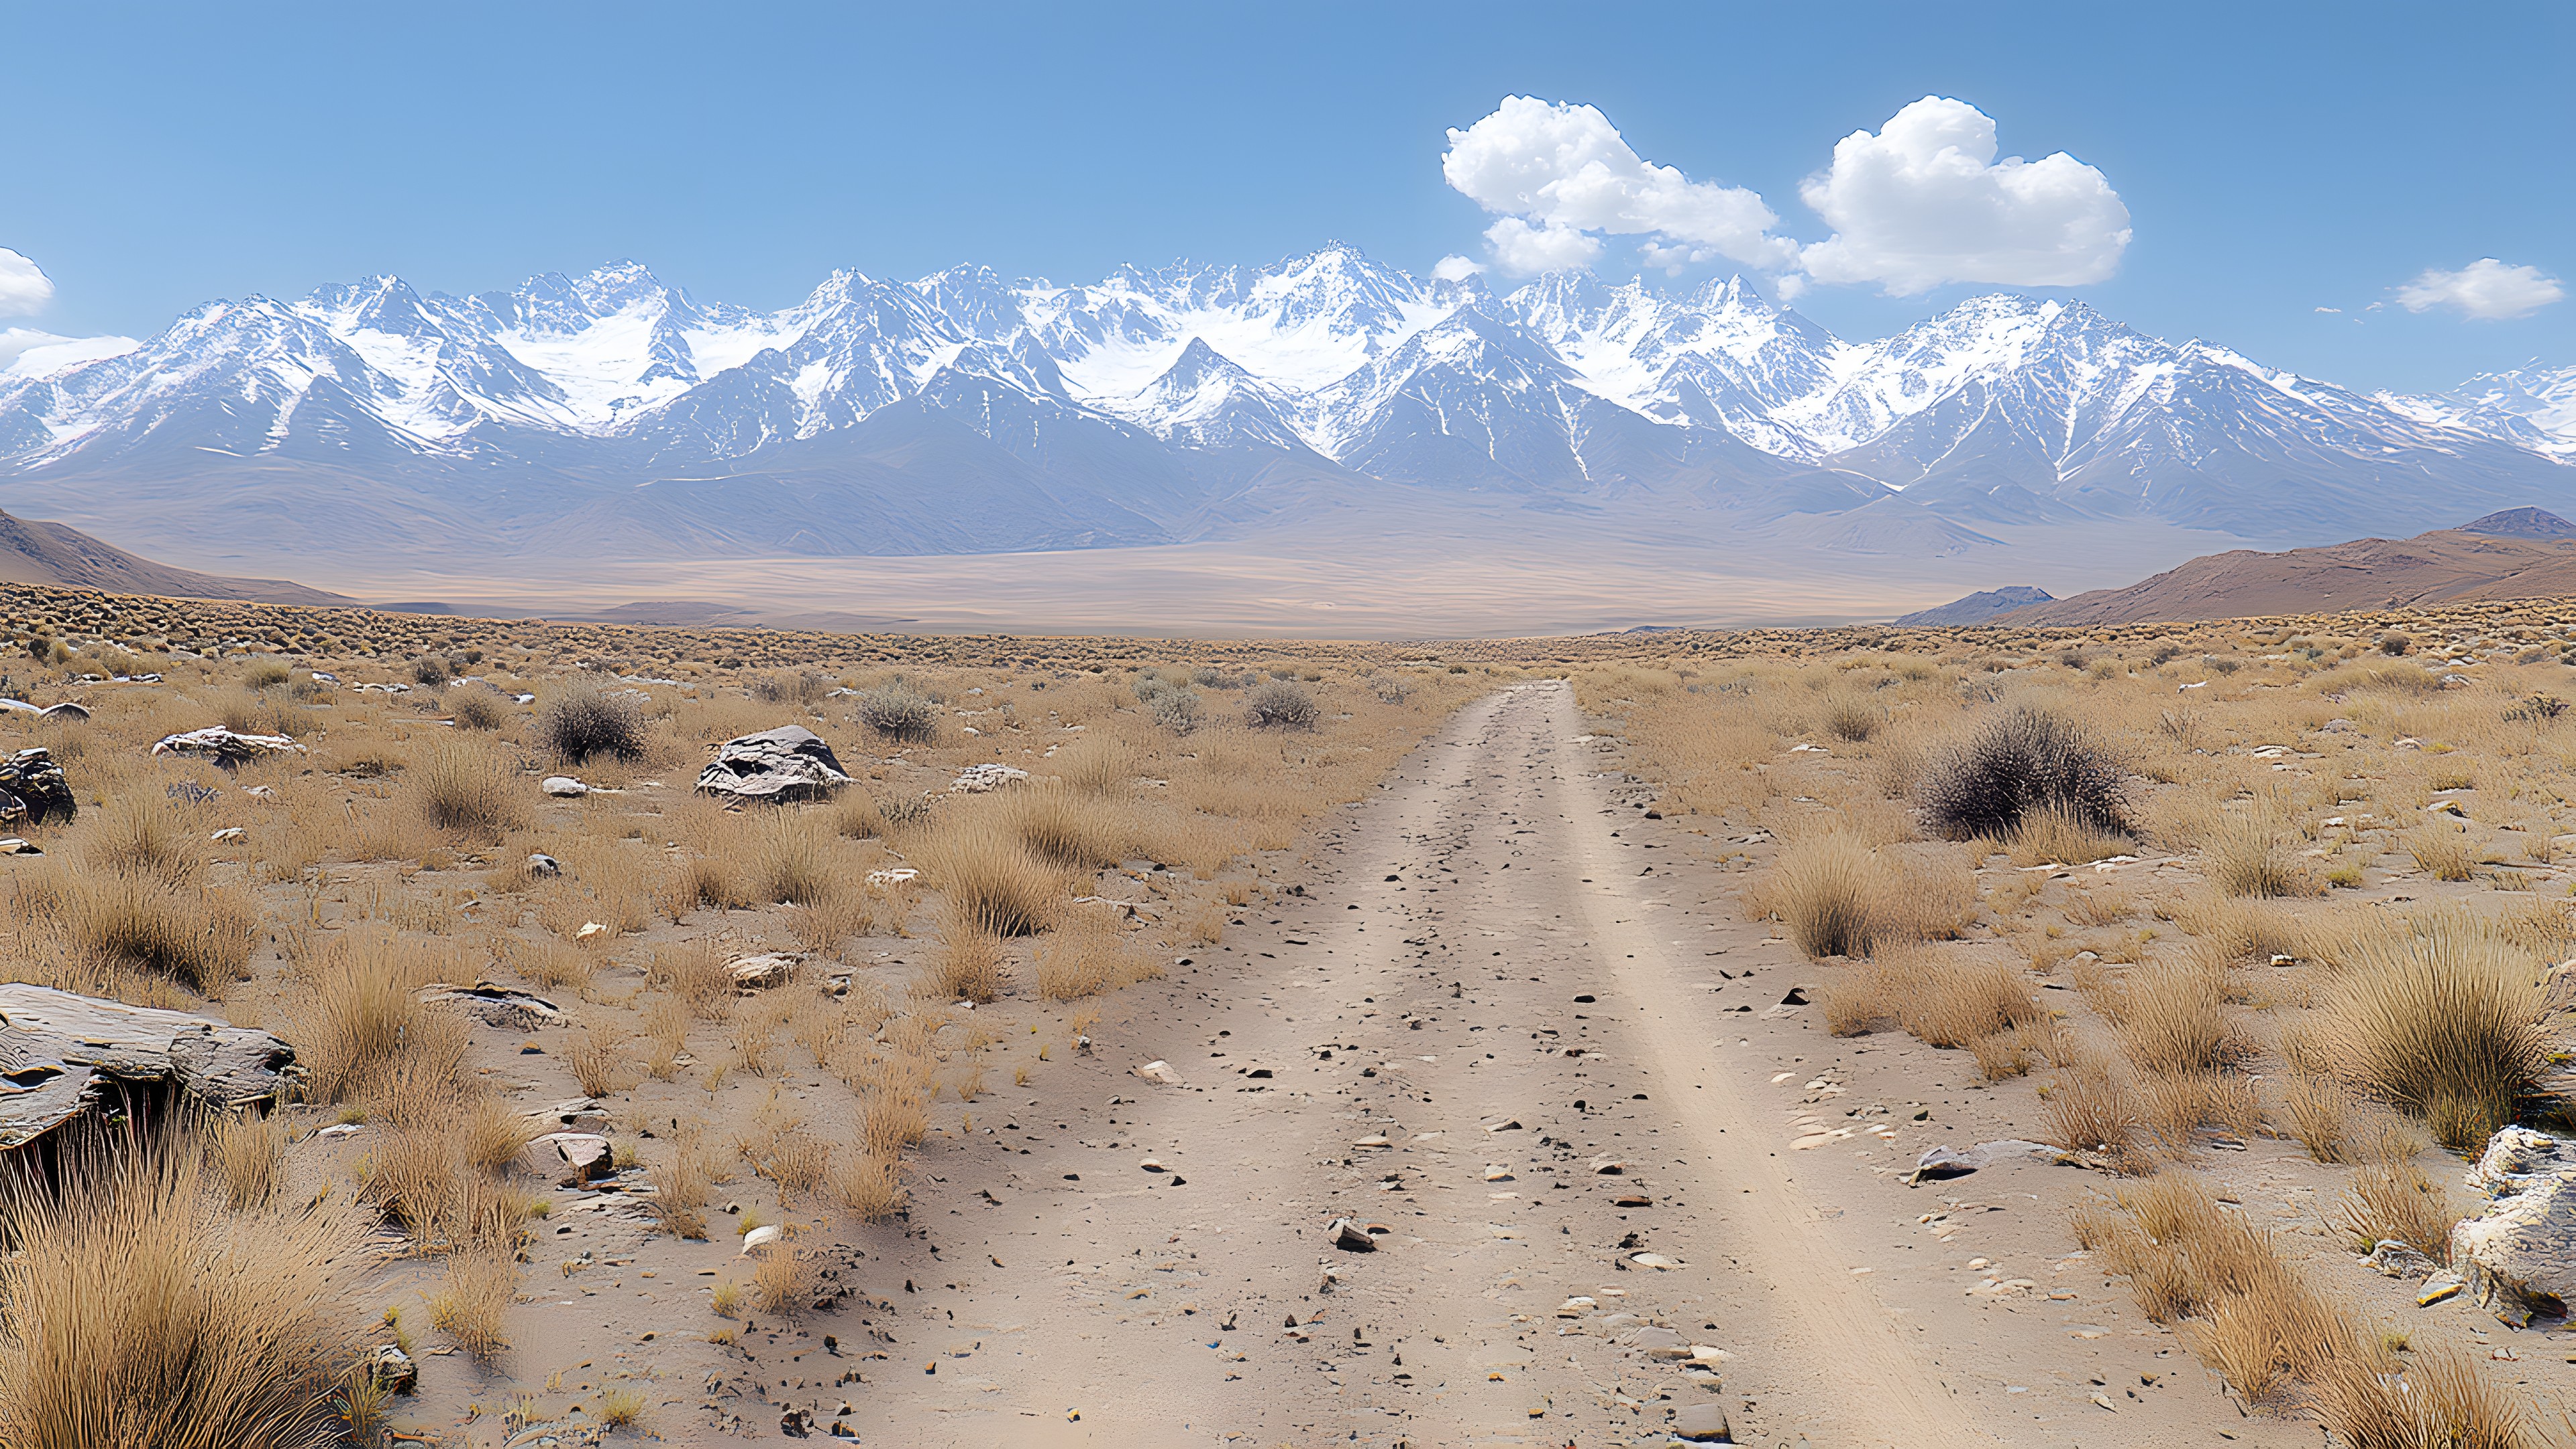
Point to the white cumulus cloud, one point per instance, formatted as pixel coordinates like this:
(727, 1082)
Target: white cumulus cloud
(2486, 289)
(1924, 202)
(1561, 176)
(1456, 268)
(24, 288)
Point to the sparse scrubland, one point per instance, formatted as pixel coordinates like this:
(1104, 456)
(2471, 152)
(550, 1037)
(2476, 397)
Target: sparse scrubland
(217, 1282)
(2248, 880)
(2163, 891)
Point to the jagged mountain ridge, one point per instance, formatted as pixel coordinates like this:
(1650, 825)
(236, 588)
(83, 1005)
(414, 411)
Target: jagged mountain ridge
(965, 412)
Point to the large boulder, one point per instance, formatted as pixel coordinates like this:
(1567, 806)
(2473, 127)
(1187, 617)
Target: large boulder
(787, 763)
(33, 778)
(63, 1055)
(2518, 1256)
(226, 748)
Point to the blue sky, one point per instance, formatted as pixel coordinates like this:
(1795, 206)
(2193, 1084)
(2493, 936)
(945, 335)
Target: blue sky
(2271, 160)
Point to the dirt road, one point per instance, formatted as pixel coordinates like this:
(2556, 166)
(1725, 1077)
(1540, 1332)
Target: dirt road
(1495, 983)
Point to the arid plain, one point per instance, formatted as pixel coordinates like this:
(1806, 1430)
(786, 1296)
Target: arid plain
(1167, 1042)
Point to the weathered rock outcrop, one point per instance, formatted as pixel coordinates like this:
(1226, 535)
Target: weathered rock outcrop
(61, 1054)
(2518, 1256)
(787, 763)
(34, 780)
(226, 748)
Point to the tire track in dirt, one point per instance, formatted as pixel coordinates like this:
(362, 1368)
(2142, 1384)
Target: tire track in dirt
(1466, 953)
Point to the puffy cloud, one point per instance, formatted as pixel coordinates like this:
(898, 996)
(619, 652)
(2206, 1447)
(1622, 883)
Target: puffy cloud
(2486, 289)
(1925, 202)
(1558, 174)
(1522, 249)
(24, 288)
(1456, 268)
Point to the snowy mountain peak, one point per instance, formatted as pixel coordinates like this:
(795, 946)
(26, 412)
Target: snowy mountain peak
(1568, 382)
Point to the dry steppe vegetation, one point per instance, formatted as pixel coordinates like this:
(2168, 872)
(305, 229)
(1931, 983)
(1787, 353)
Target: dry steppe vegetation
(177, 1281)
(2288, 933)
(2172, 890)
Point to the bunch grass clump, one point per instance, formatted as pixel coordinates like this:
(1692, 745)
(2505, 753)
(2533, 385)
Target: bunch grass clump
(138, 1308)
(2444, 1022)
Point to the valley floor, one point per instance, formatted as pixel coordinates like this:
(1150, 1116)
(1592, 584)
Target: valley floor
(1496, 979)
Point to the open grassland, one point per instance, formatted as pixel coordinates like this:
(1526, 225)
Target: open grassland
(2166, 889)
(2172, 891)
(941, 943)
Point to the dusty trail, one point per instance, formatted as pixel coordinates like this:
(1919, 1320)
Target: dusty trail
(1504, 975)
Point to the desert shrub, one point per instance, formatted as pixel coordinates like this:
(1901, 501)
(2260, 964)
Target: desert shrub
(1389, 689)
(264, 673)
(899, 713)
(583, 721)
(479, 708)
(465, 787)
(1176, 710)
(136, 1310)
(2019, 762)
(1280, 704)
(432, 670)
(2445, 1023)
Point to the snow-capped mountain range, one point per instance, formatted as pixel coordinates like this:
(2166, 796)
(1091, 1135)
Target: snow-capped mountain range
(965, 412)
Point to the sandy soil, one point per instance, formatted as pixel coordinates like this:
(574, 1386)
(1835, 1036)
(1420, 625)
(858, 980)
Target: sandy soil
(1482, 582)
(1481, 987)
(1503, 971)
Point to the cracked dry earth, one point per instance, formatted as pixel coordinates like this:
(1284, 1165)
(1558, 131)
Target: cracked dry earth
(1495, 981)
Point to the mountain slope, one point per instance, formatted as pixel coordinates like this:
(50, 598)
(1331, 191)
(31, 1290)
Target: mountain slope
(2444, 566)
(966, 412)
(36, 552)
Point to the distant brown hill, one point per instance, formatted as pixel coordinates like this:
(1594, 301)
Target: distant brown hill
(33, 552)
(2442, 567)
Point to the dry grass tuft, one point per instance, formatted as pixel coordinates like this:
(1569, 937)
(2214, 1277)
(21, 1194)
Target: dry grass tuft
(868, 1186)
(1837, 896)
(470, 1304)
(2397, 1202)
(135, 1310)
(966, 967)
(468, 787)
(990, 877)
(782, 1281)
(2445, 1023)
